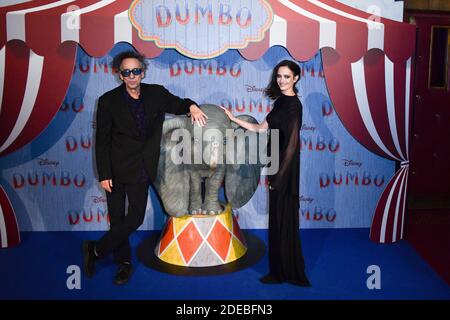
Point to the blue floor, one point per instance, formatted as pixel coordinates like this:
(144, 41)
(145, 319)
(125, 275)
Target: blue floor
(336, 260)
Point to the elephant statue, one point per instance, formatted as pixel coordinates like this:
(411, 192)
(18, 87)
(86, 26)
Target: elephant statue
(192, 155)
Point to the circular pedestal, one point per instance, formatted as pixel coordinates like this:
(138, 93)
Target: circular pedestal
(201, 240)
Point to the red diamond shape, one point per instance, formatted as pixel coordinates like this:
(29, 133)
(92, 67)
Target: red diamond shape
(219, 239)
(188, 241)
(167, 236)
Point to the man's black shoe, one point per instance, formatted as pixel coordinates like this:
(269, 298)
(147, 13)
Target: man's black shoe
(123, 273)
(89, 258)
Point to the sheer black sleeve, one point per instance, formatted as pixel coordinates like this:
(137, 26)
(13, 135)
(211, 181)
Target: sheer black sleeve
(286, 180)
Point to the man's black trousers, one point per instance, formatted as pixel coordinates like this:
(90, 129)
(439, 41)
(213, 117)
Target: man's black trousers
(121, 226)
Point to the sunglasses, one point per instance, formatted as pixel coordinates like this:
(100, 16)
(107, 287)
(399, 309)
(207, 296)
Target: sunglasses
(126, 73)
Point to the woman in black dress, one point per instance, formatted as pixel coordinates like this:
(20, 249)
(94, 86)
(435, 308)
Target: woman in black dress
(286, 262)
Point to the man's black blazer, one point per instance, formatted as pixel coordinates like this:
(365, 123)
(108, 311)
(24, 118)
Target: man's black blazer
(120, 151)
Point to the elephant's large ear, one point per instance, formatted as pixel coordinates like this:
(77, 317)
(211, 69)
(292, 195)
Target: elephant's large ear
(242, 178)
(172, 180)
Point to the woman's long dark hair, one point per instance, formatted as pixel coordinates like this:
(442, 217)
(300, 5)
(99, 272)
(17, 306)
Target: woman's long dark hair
(273, 90)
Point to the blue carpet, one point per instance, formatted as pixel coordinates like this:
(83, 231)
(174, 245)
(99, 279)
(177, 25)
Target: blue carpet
(336, 260)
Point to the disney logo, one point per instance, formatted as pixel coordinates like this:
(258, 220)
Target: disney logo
(305, 199)
(307, 128)
(253, 88)
(98, 199)
(46, 162)
(351, 163)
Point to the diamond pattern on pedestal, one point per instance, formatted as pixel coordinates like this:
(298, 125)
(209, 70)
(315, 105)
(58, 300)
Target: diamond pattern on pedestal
(204, 225)
(189, 240)
(219, 239)
(167, 236)
(179, 223)
(205, 257)
(237, 250)
(172, 253)
(183, 241)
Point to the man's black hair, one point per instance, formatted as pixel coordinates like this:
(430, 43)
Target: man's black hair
(129, 54)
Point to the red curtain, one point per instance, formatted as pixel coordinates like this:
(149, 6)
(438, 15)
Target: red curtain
(372, 99)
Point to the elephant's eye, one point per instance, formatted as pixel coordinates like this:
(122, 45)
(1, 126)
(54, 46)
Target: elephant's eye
(224, 140)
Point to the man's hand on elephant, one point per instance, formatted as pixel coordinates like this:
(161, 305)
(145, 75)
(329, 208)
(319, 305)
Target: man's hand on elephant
(106, 184)
(197, 115)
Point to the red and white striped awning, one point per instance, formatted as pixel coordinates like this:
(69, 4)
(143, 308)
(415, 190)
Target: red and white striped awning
(305, 26)
(367, 64)
(9, 232)
(51, 29)
(97, 25)
(302, 26)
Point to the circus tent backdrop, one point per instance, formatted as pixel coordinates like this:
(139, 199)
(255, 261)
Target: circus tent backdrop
(367, 63)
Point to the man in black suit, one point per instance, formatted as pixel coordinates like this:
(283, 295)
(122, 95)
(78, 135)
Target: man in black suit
(128, 137)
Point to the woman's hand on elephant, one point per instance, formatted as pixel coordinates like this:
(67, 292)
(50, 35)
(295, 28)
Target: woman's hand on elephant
(228, 113)
(106, 184)
(197, 115)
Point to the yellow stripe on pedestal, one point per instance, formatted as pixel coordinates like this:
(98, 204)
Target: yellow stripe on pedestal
(180, 223)
(172, 255)
(226, 218)
(236, 250)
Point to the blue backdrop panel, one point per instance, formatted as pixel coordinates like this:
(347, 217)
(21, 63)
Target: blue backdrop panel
(52, 185)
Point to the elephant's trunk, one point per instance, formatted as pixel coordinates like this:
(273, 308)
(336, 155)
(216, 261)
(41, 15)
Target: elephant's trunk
(214, 159)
